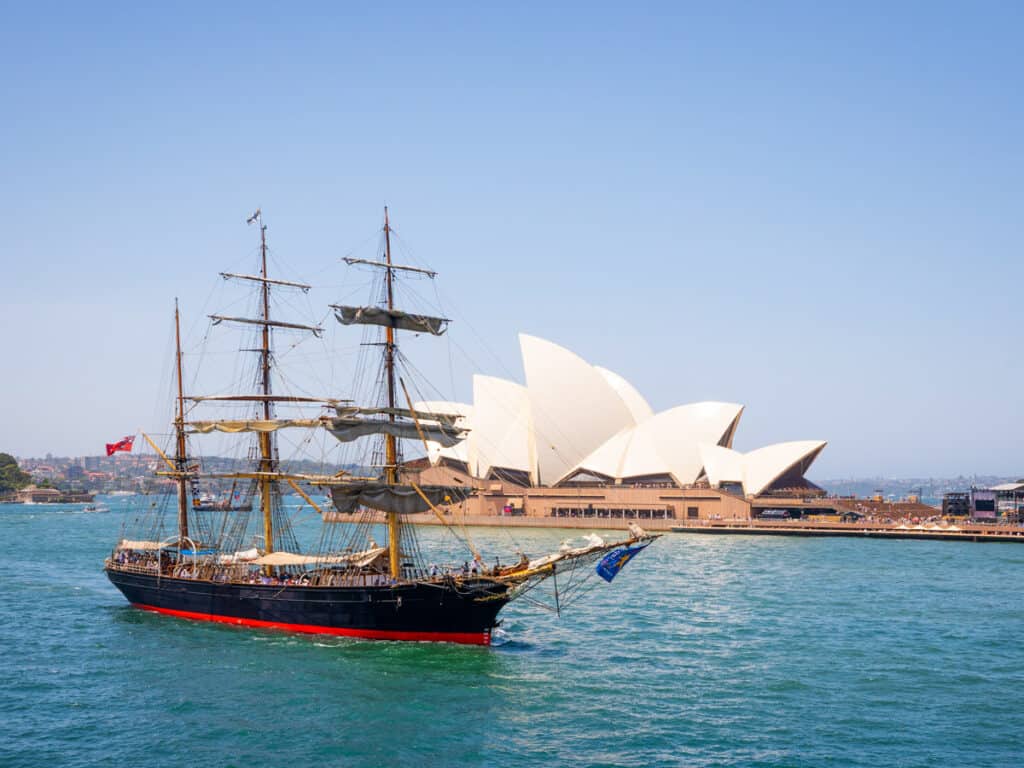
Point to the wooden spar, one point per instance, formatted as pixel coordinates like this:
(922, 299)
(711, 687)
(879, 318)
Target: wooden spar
(388, 265)
(266, 322)
(390, 444)
(303, 494)
(415, 418)
(325, 480)
(445, 523)
(286, 283)
(160, 453)
(435, 510)
(179, 428)
(416, 421)
(264, 439)
(331, 401)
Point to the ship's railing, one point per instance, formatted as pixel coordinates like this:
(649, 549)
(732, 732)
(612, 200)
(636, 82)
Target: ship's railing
(248, 574)
(148, 567)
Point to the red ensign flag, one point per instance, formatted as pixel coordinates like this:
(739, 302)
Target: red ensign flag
(124, 444)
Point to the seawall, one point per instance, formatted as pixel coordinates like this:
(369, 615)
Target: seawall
(954, 532)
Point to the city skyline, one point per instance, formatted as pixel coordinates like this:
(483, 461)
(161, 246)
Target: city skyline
(138, 459)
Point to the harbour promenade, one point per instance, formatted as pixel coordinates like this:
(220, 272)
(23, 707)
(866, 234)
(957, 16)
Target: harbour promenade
(959, 531)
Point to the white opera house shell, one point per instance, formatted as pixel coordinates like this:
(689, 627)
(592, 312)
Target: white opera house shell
(574, 423)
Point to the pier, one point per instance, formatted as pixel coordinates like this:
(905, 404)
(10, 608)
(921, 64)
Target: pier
(956, 531)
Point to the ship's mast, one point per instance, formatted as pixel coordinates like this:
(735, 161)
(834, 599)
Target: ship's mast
(265, 444)
(179, 429)
(390, 443)
(395, 498)
(266, 470)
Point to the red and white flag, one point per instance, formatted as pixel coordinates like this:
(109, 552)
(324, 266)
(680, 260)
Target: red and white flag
(124, 444)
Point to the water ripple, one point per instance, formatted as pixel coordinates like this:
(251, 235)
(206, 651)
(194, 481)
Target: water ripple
(735, 651)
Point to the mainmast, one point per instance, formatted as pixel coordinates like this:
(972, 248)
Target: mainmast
(264, 438)
(392, 494)
(179, 429)
(390, 442)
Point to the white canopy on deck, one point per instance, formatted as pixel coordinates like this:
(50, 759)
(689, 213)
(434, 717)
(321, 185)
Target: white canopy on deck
(290, 558)
(143, 546)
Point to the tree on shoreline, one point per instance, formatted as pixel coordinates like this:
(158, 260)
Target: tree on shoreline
(12, 478)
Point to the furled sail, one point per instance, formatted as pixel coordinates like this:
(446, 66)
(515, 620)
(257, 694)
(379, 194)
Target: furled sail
(403, 499)
(405, 413)
(233, 426)
(393, 318)
(437, 427)
(347, 429)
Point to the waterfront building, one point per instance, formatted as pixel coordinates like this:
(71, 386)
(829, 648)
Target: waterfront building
(34, 495)
(983, 505)
(1009, 500)
(578, 440)
(956, 504)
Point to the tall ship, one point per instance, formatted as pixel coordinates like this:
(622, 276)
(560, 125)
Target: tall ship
(367, 575)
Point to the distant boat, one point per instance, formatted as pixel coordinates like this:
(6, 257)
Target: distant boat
(96, 508)
(208, 502)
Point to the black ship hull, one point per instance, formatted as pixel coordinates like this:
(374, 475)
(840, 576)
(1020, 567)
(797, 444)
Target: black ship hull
(421, 611)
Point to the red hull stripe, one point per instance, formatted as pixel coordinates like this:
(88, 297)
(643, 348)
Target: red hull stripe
(465, 638)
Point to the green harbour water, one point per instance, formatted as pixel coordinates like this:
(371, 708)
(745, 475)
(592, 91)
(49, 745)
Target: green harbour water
(705, 651)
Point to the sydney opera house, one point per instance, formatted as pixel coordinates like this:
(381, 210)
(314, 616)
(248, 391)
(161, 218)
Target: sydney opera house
(578, 440)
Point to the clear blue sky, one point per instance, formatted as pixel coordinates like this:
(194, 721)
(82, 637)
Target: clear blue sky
(811, 209)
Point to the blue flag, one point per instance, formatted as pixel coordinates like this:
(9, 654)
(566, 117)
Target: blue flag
(614, 561)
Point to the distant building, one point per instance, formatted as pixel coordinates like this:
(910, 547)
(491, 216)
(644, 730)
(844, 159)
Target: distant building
(956, 504)
(1009, 500)
(44, 471)
(33, 495)
(983, 505)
